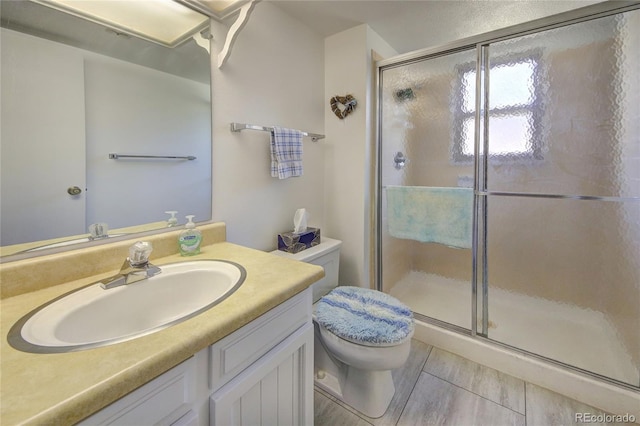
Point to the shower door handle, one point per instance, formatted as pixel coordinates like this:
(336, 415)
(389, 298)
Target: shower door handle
(400, 160)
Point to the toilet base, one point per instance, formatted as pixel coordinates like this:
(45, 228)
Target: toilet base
(369, 392)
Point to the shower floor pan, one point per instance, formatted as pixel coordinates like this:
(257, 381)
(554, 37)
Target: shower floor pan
(576, 336)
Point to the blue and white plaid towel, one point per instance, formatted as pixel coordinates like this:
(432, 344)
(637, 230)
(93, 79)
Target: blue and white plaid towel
(286, 153)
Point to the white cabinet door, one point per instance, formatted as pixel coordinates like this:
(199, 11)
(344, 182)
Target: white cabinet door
(275, 390)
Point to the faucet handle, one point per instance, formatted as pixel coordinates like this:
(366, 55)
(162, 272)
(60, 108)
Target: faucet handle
(98, 230)
(139, 253)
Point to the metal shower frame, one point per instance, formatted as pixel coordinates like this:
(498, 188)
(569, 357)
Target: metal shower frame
(480, 43)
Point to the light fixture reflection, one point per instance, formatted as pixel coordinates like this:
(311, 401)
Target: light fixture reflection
(160, 21)
(217, 9)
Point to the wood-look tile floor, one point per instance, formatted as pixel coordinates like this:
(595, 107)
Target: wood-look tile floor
(439, 388)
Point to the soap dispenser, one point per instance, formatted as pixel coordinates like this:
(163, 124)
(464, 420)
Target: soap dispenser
(189, 239)
(172, 221)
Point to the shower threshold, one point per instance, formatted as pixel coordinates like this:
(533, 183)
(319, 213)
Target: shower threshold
(572, 335)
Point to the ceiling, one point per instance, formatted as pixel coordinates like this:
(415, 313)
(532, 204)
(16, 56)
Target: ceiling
(406, 25)
(409, 25)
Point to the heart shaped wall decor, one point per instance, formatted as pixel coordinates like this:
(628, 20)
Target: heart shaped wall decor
(343, 105)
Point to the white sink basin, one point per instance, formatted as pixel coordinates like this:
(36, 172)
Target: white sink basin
(92, 316)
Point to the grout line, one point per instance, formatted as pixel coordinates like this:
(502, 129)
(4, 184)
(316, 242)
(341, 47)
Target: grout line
(525, 403)
(410, 393)
(427, 358)
(469, 390)
(473, 393)
(325, 393)
(342, 405)
(415, 383)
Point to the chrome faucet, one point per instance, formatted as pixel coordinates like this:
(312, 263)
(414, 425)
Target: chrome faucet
(98, 231)
(135, 268)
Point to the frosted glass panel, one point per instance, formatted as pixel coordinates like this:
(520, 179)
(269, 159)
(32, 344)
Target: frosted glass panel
(560, 217)
(424, 118)
(580, 91)
(510, 135)
(563, 281)
(512, 85)
(564, 274)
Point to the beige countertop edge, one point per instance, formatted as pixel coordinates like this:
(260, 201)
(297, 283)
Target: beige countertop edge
(65, 388)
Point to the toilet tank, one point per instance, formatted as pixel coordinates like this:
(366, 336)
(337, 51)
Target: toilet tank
(325, 254)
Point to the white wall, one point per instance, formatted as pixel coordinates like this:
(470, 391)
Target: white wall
(349, 69)
(274, 76)
(131, 109)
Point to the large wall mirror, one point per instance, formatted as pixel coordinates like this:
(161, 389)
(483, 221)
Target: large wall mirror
(104, 128)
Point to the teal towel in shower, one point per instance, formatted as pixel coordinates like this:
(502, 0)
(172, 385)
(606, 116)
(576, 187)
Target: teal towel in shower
(431, 215)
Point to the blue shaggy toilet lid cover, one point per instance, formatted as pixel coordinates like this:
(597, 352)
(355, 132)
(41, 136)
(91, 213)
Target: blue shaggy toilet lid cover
(365, 316)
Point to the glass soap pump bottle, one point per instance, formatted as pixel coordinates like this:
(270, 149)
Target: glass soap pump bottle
(190, 239)
(172, 221)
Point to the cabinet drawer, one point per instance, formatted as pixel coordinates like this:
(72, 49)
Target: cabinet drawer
(237, 351)
(161, 401)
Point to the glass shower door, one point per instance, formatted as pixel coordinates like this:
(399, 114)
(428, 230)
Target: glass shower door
(563, 195)
(427, 184)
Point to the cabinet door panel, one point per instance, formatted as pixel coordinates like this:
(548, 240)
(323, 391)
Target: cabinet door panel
(270, 403)
(276, 390)
(249, 402)
(288, 388)
(239, 350)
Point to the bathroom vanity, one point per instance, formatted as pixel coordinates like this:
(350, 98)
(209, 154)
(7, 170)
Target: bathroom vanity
(261, 371)
(249, 356)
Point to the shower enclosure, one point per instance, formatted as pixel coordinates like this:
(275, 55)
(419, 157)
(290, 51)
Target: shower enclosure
(508, 194)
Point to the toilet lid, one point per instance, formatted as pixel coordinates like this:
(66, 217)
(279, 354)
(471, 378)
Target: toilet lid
(365, 316)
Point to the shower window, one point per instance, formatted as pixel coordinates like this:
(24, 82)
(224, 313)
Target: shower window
(515, 110)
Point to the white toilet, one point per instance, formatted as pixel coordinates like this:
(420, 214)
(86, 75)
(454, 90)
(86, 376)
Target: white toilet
(360, 335)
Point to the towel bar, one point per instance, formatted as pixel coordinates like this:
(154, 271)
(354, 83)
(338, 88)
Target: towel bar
(113, 156)
(237, 127)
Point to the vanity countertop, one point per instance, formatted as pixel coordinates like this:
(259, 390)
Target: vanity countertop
(65, 388)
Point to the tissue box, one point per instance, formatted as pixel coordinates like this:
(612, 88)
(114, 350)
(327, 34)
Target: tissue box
(295, 243)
